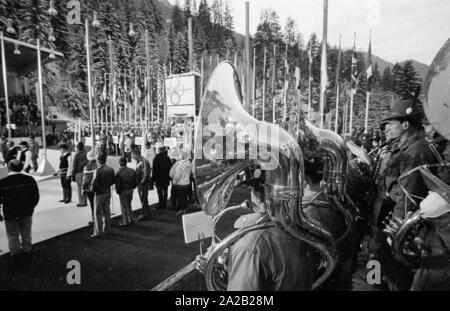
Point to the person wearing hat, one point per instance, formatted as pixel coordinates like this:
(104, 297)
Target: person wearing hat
(19, 195)
(79, 162)
(126, 181)
(65, 173)
(404, 124)
(24, 156)
(104, 178)
(88, 176)
(143, 173)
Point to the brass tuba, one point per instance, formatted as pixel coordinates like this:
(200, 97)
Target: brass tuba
(332, 149)
(228, 141)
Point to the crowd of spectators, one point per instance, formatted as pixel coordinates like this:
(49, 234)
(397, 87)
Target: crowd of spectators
(22, 111)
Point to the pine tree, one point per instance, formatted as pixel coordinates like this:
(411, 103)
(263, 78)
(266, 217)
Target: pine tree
(35, 22)
(409, 81)
(386, 79)
(187, 9)
(181, 54)
(178, 19)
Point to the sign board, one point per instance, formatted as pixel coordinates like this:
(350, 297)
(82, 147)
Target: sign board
(116, 139)
(182, 94)
(88, 141)
(11, 126)
(170, 142)
(197, 226)
(138, 141)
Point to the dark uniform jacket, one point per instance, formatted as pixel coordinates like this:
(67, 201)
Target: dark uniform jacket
(79, 162)
(104, 178)
(20, 195)
(410, 154)
(269, 260)
(161, 169)
(126, 179)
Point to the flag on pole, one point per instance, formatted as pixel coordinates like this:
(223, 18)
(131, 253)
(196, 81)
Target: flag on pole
(369, 71)
(104, 92)
(354, 82)
(338, 76)
(310, 59)
(298, 73)
(274, 69)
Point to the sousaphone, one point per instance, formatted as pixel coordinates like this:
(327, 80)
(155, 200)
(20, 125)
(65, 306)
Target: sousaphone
(228, 141)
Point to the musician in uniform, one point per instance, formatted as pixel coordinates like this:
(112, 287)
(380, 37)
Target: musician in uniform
(403, 122)
(269, 259)
(434, 240)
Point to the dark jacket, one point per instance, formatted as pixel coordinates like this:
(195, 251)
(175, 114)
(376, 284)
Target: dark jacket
(161, 169)
(20, 195)
(126, 179)
(79, 162)
(88, 175)
(412, 153)
(143, 171)
(104, 178)
(12, 154)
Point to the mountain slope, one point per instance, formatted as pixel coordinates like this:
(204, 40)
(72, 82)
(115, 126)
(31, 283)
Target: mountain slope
(421, 68)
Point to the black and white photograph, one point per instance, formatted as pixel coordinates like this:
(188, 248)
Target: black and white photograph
(245, 146)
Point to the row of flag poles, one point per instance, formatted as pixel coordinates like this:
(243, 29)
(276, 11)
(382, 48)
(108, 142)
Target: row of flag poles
(131, 94)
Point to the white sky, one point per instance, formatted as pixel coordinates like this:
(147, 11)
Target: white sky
(401, 29)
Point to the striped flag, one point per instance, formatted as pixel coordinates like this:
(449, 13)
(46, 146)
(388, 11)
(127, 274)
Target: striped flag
(104, 92)
(369, 71)
(354, 83)
(310, 57)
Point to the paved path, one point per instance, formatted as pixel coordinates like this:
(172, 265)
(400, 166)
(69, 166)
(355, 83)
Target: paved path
(52, 218)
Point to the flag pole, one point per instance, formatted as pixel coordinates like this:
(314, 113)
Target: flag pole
(324, 77)
(286, 84)
(310, 78)
(352, 90)
(338, 74)
(5, 85)
(88, 60)
(191, 46)
(254, 83)
(274, 82)
(157, 95)
(264, 86)
(247, 57)
(147, 78)
(41, 97)
(369, 77)
(111, 79)
(202, 77)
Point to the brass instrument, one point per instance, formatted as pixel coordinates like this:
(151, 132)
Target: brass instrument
(404, 228)
(227, 141)
(331, 147)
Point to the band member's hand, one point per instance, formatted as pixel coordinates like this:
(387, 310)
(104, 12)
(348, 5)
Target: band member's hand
(200, 263)
(69, 178)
